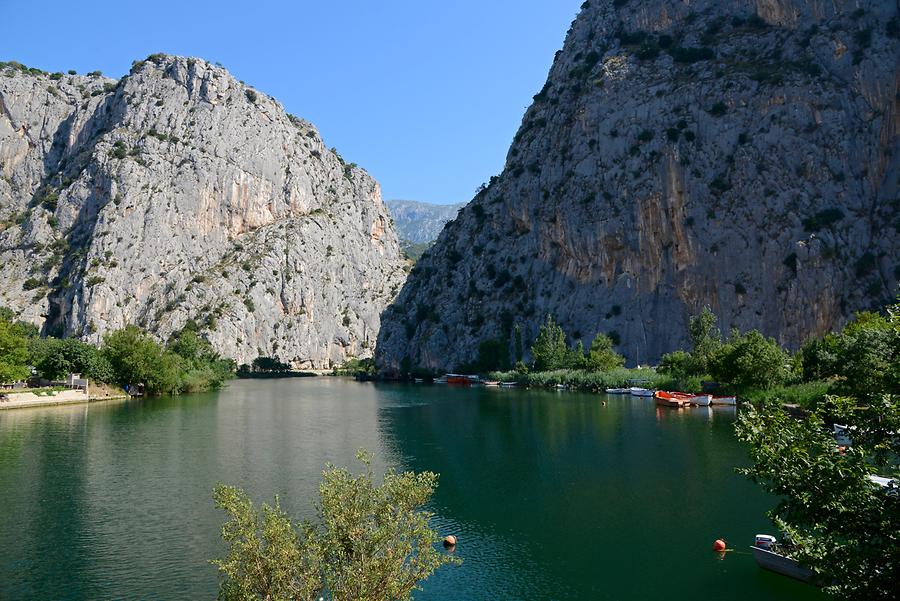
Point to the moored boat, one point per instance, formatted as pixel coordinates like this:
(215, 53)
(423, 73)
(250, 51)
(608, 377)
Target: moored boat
(491, 382)
(441, 380)
(636, 391)
(766, 553)
(508, 384)
(671, 399)
(458, 379)
(724, 400)
(618, 391)
(560, 386)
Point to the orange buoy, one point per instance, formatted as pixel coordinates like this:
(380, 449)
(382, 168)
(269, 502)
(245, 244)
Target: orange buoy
(449, 541)
(719, 545)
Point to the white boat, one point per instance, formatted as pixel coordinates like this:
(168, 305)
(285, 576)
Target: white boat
(890, 486)
(765, 552)
(508, 384)
(635, 391)
(441, 380)
(842, 434)
(418, 380)
(618, 391)
(560, 386)
(701, 400)
(491, 382)
(724, 400)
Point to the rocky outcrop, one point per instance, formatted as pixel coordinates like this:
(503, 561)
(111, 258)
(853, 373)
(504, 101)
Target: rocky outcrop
(177, 194)
(420, 222)
(741, 154)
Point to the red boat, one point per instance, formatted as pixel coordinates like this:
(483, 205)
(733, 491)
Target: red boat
(672, 399)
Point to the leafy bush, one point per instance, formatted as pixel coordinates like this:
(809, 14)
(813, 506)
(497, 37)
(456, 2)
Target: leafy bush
(251, 95)
(805, 394)
(32, 283)
(750, 361)
(372, 542)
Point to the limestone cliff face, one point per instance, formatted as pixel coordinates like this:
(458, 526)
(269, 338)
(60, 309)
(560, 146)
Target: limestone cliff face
(178, 193)
(742, 154)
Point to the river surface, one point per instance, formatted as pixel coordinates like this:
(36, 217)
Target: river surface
(552, 495)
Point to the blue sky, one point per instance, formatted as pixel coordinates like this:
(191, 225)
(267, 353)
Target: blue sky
(425, 95)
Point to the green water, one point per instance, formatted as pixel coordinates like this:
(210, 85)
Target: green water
(552, 495)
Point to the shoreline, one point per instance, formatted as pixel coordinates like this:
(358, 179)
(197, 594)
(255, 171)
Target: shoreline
(65, 397)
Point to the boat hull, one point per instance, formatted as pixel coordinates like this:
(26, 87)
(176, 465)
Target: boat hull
(642, 392)
(667, 399)
(701, 400)
(769, 560)
(724, 400)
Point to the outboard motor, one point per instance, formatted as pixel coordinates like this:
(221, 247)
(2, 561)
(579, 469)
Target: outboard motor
(765, 541)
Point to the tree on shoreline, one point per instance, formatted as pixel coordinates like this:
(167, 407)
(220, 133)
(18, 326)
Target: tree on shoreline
(372, 542)
(847, 528)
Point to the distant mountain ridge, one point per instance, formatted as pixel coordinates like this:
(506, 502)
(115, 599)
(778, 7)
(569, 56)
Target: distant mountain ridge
(421, 222)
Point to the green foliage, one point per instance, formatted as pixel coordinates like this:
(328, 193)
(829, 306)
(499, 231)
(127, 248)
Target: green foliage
(804, 394)
(251, 95)
(677, 364)
(56, 358)
(269, 364)
(706, 340)
(582, 379)
(845, 528)
(13, 352)
(549, 350)
(188, 364)
(750, 362)
(601, 356)
(354, 366)
(32, 283)
(372, 542)
(863, 359)
(493, 354)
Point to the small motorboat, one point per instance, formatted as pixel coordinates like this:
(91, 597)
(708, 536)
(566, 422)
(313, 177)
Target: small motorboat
(418, 380)
(441, 380)
(618, 391)
(843, 435)
(491, 382)
(672, 399)
(771, 556)
(458, 379)
(636, 391)
(701, 400)
(890, 486)
(561, 386)
(508, 384)
(724, 400)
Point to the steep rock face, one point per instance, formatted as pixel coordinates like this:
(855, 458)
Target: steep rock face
(421, 222)
(176, 194)
(740, 154)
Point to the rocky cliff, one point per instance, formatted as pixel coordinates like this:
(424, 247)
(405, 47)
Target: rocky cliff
(742, 154)
(178, 193)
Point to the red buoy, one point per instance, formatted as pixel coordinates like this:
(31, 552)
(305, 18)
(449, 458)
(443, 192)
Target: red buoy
(719, 545)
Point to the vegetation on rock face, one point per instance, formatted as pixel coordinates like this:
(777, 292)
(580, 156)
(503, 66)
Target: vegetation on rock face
(372, 542)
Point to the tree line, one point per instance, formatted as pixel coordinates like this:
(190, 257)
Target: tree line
(129, 356)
